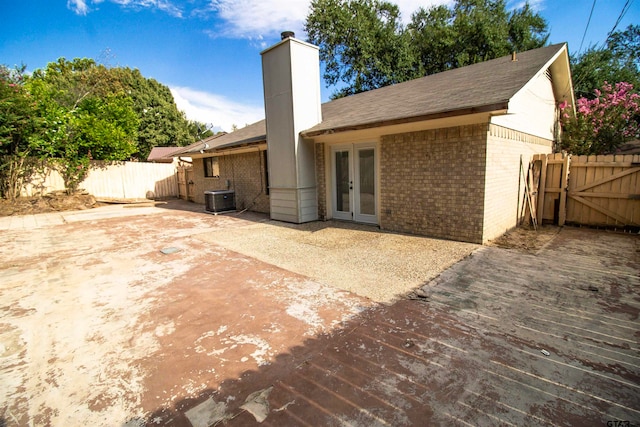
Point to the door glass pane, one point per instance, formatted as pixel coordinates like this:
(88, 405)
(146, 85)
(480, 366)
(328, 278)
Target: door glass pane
(342, 181)
(366, 169)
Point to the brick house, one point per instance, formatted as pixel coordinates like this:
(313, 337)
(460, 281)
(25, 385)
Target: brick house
(436, 156)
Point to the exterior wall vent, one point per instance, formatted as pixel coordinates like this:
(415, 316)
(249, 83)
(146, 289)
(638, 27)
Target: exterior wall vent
(220, 201)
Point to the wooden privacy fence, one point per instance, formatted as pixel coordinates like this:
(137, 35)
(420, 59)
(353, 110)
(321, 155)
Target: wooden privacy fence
(113, 180)
(585, 190)
(132, 180)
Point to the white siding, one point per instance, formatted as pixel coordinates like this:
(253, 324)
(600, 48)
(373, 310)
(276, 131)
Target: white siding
(308, 204)
(294, 205)
(532, 110)
(284, 206)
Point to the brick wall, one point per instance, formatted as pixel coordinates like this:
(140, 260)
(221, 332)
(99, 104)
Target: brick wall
(432, 182)
(245, 173)
(321, 171)
(504, 188)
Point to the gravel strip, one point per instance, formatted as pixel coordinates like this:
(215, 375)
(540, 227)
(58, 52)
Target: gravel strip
(361, 259)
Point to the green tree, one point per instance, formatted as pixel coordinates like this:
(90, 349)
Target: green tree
(18, 123)
(76, 111)
(617, 61)
(160, 121)
(434, 39)
(364, 46)
(473, 31)
(527, 30)
(83, 118)
(17, 115)
(361, 43)
(198, 130)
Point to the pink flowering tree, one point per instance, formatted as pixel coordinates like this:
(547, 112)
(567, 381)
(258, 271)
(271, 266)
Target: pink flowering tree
(604, 123)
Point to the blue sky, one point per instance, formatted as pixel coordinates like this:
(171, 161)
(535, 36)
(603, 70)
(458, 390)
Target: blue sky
(208, 51)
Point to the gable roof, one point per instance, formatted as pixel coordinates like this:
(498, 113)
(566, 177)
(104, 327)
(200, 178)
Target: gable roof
(482, 87)
(485, 86)
(161, 154)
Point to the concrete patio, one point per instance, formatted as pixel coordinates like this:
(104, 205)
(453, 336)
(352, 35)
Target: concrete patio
(99, 327)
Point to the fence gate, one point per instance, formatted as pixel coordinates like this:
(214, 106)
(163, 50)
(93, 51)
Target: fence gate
(603, 190)
(589, 190)
(185, 183)
(190, 185)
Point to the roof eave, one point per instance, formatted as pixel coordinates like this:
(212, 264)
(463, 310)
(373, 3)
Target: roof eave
(248, 141)
(234, 144)
(563, 81)
(501, 106)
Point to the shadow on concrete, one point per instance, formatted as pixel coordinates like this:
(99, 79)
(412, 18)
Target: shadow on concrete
(467, 354)
(352, 374)
(432, 362)
(258, 217)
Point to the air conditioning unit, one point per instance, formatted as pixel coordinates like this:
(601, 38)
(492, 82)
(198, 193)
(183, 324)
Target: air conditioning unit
(219, 201)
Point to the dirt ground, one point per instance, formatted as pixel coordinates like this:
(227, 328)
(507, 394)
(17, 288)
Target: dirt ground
(527, 239)
(53, 202)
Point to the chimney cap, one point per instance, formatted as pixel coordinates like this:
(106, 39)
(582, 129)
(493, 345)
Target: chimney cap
(287, 34)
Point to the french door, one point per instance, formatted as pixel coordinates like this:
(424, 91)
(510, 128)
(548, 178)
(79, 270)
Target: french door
(354, 192)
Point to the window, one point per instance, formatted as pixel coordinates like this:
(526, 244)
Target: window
(211, 167)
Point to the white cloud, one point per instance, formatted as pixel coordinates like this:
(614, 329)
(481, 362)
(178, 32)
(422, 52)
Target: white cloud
(215, 110)
(81, 7)
(536, 5)
(256, 18)
(163, 5)
(78, 6)
(250, 19)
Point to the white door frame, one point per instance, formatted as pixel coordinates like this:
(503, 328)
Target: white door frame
(354, 199)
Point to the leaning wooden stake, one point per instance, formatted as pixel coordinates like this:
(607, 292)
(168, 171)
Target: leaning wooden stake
(528, 197)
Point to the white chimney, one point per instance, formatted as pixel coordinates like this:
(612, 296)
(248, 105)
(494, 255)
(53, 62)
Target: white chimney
(291, 78)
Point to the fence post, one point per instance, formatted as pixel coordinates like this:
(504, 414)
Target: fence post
(562, 215)
(541, 187)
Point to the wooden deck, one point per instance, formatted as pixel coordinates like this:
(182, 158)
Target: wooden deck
(505, 338)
